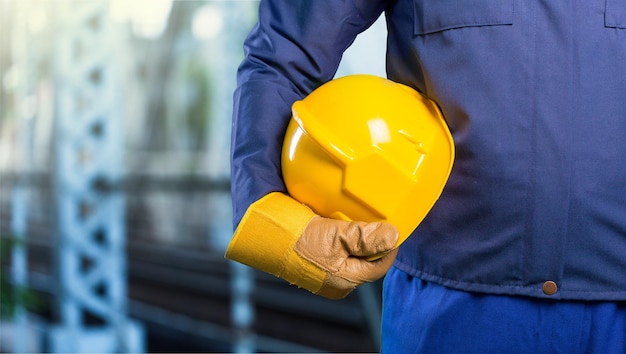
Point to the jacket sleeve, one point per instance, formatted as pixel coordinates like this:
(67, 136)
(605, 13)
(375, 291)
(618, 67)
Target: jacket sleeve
(295, 47)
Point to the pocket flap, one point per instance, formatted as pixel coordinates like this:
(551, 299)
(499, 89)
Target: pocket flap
(615, 14)
(434, 16)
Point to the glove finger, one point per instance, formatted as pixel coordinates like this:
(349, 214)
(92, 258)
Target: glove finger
(355, 272)
(363, 239)
(359, 270)
(328, 242)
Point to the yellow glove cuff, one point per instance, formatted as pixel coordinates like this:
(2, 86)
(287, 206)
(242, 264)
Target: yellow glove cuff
(266, 236)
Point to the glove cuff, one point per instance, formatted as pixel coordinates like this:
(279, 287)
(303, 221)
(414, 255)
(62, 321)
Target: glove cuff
(266, 236)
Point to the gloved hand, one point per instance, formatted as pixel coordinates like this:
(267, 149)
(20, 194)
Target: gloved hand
(328, 257)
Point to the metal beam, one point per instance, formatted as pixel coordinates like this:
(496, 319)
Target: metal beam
(89, 144)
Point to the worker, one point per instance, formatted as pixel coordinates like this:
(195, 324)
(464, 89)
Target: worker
(525, 249)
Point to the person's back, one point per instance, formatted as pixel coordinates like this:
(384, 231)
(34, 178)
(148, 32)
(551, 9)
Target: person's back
(535, 96)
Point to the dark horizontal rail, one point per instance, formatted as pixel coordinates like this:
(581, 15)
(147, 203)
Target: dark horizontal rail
(127, 183)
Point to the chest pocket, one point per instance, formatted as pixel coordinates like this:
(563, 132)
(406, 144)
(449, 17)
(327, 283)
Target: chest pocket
(439, 15)
(615, 14)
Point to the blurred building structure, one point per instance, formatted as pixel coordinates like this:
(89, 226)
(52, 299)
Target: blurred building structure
(89, 143)
(114, 186)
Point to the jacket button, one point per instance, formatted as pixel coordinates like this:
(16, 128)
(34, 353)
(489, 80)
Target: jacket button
(549, 287)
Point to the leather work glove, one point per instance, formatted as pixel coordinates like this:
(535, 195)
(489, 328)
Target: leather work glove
(328, 257)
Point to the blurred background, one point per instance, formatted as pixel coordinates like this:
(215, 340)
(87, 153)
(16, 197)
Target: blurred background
(114, 186)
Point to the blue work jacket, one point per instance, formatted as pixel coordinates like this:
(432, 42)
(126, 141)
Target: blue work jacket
(534, 93)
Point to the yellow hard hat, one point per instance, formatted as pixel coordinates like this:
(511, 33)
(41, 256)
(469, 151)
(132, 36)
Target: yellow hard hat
(365, 148)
